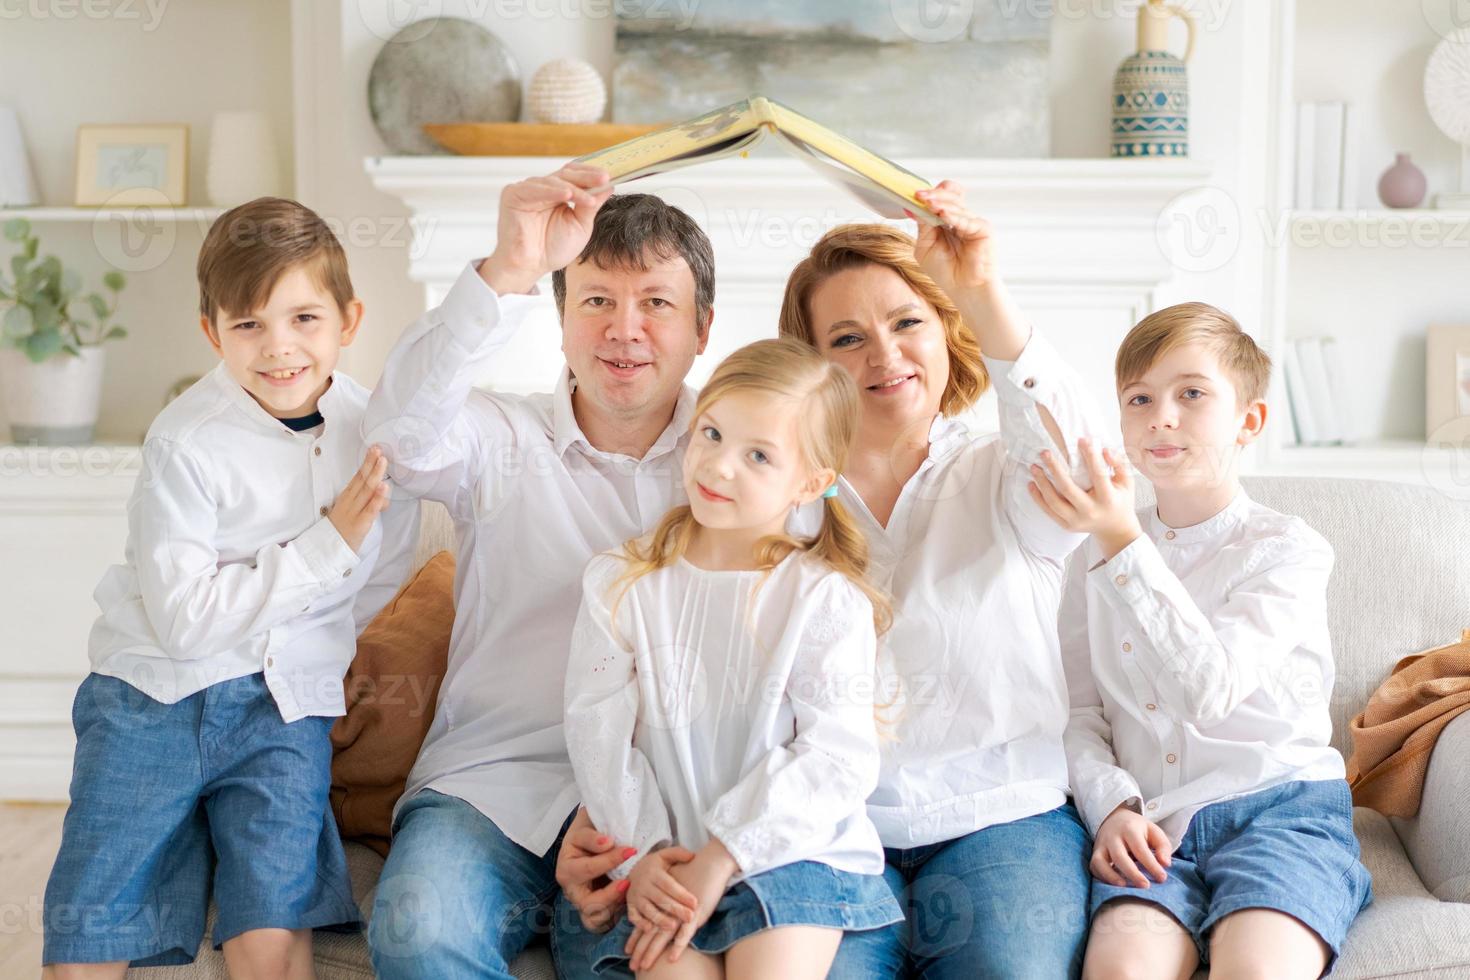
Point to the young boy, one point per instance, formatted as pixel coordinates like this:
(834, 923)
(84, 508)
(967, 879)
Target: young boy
(202, 732)
(1194, 637)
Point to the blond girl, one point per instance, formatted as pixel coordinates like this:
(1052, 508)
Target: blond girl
(719, 702)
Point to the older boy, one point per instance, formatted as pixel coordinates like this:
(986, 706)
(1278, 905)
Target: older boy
(1195, 640)
(203, 753)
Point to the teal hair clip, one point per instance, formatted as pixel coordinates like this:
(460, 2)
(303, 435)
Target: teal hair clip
(830, 491)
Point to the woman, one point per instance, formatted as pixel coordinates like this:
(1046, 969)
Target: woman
(972, 802)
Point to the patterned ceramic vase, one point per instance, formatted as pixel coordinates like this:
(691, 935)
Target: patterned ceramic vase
(1151, 90)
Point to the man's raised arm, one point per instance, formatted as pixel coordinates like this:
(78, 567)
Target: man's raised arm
(435, 435)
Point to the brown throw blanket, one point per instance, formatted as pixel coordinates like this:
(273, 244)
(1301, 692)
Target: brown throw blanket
(1395, 734)
(392, 687)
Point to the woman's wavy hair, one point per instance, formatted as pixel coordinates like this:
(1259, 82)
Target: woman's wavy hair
(851, 246)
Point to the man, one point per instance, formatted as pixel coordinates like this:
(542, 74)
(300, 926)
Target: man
(536, 485)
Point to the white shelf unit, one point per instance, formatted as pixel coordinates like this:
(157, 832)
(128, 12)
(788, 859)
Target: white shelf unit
(1373, 277)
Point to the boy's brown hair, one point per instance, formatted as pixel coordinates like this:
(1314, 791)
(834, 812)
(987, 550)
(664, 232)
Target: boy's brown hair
(1172, 327)
(250, 247)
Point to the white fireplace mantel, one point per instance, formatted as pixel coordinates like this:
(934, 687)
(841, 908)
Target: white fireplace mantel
(1078, 240)
(1060, 222)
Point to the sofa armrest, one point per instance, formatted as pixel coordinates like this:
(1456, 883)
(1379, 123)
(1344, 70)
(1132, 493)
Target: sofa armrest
(1437, 839)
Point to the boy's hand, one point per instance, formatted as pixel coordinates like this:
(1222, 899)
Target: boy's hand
(582, 865)
(706, 877)
(958, 255)
(1106, 511)
(537, 232)
(364, 499)
(1125, 842)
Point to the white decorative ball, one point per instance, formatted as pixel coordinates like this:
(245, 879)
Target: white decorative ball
(1447, 86)
(567, 90)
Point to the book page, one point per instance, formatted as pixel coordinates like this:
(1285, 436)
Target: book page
(877, 198)
(714, 151)
(724, 131)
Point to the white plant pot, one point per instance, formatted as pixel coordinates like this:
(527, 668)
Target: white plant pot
(53, 403)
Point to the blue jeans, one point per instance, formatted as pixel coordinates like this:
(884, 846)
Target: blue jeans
(1289, 847)
(1009, 901)
(459, 899)
(169, 799)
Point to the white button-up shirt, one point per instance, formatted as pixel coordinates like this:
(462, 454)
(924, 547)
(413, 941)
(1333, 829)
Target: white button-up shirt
(971, 664)
(727, 704)
(1199, 665)
(532, 501)
(232, 567)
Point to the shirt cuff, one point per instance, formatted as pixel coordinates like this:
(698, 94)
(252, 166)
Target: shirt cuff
(1103, 800)
(472, 310)
(1124, 579)
(742, 850)
(326, 554)
(1030, 377)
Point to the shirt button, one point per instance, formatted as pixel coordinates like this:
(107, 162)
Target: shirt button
(1172, 757)
(1154, 805)
(1170, 535)
(317, 451)
(347, 573)
(270, 661)
(1029, 383)
(1152, 707)
(1127, 648)
(1121, 579)
(323, 512)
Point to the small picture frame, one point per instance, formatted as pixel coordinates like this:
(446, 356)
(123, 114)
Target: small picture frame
(1446, 376)
(125, 166)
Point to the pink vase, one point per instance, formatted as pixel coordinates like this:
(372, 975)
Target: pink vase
(1402, 185)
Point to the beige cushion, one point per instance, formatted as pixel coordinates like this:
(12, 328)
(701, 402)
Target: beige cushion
(392, 687)
(1437, 839)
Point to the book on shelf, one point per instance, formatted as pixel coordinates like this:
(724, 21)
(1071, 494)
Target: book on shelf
(883, 186)
(1306, 154)
(1326, 159)
(1319, 389)
(1304, 426)
(1351, 120)
(1316, 387)
(1343, 403)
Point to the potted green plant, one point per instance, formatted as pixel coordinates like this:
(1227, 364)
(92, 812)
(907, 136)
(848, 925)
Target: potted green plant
(51, 337)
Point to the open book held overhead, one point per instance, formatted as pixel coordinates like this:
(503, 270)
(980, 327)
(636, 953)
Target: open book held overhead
(880, 184)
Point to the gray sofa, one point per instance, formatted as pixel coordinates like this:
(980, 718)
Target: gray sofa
(1402, 584)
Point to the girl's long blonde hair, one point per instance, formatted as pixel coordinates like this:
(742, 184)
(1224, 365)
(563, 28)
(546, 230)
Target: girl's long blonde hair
(825, 400)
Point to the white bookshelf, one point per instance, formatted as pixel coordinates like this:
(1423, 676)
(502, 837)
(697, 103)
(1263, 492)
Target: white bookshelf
(1372, 277)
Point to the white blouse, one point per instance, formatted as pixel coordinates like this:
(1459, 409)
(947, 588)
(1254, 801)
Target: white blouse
(1199, 665)
(725, 706)
(975, 570)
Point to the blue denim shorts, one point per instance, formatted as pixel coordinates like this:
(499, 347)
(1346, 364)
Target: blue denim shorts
(166, 798)
(807, 893)
(1290, 848)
